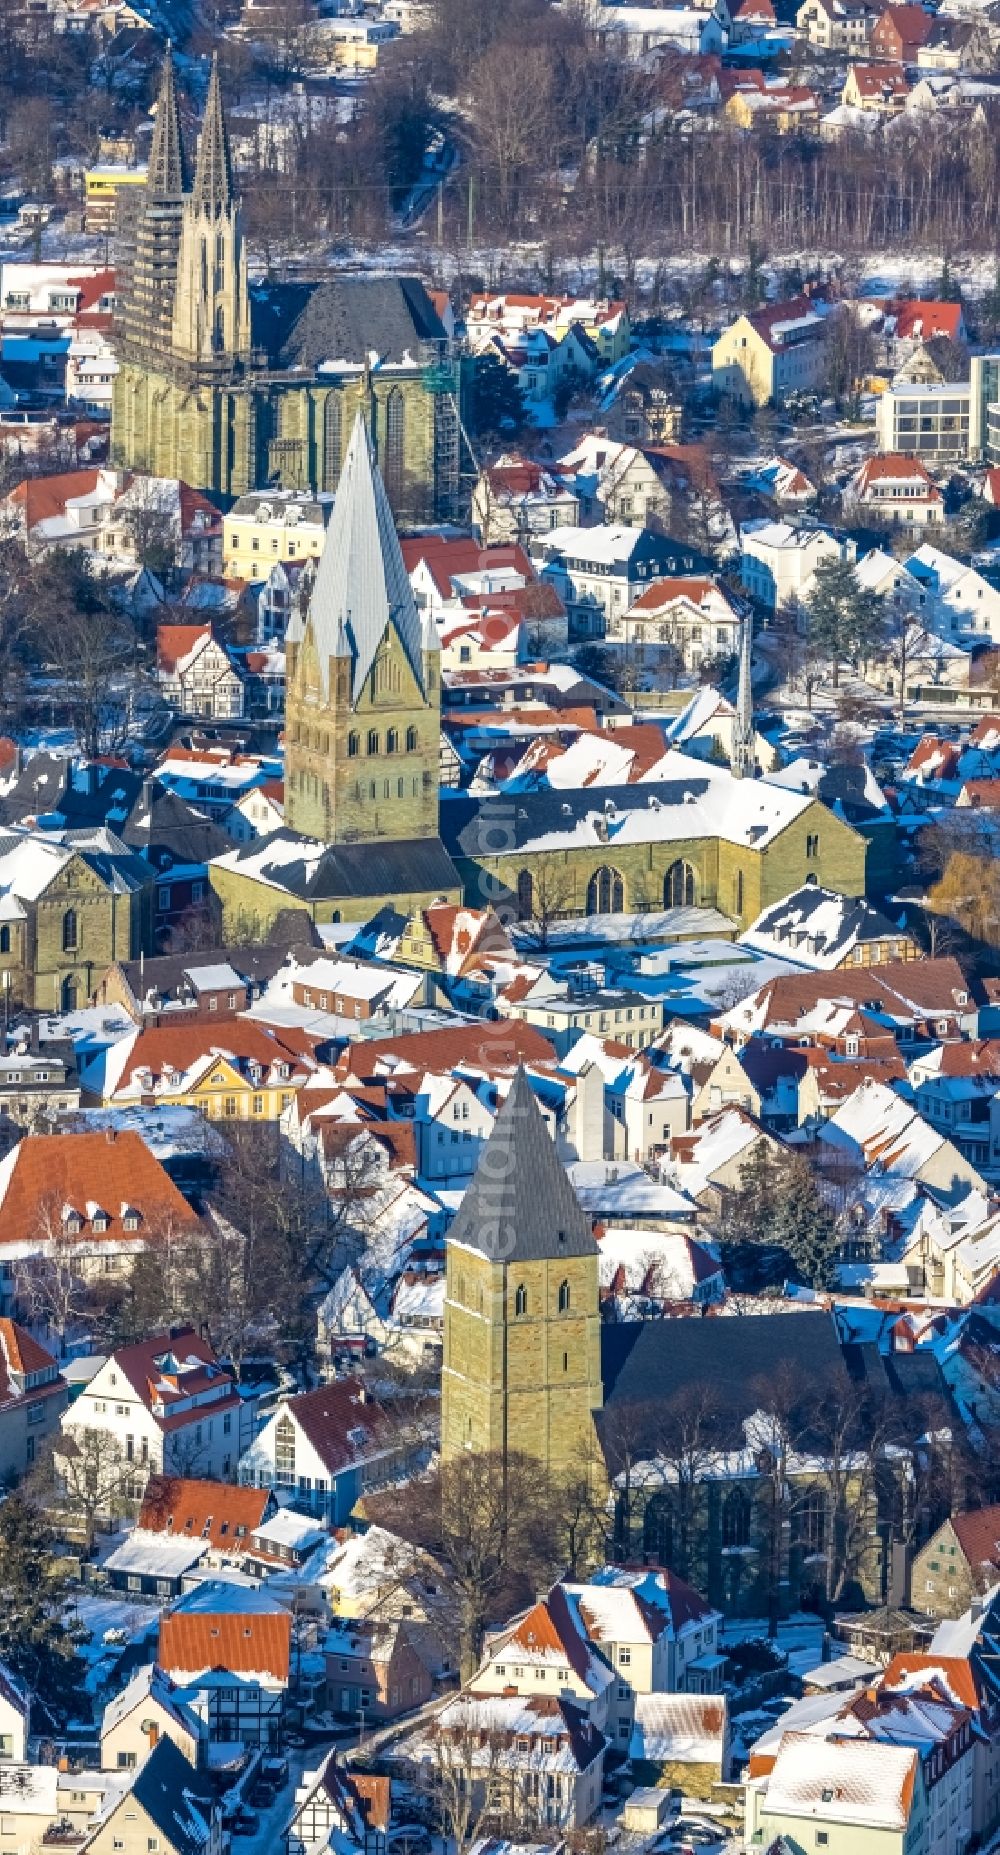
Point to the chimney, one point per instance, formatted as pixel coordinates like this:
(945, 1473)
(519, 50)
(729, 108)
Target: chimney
(152, 1733)
(33, 1041)
(111, 1136)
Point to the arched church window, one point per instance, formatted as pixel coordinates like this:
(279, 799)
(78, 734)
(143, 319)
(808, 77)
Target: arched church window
(564, 1297)
(520, 1299)
(525, 895)
(394, 457)
(332, 440)
(679, 885)
(605, 892)
(392, 741)
(373, 740)
(353, 745)
(411, 740)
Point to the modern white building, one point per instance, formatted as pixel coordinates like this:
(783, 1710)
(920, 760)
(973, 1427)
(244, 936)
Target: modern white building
(778, 560)
(929, 421)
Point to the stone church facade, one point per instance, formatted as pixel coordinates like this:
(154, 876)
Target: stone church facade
(231, 387)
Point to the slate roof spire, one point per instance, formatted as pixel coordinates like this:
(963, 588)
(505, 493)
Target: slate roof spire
(521, 1206)
(742, 759)
(362, 586)
(213, 179)
(166, 178)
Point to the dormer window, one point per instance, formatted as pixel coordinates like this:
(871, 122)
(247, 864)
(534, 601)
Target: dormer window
(100, 1222)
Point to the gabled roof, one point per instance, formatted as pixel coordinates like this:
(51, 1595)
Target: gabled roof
(342, 1421)
(361, 583)
(978, 1534)
(172, 1367)
(178, 1799)
(521, 1206)
(230, 1627)
(109, 1171)
(216, 1511)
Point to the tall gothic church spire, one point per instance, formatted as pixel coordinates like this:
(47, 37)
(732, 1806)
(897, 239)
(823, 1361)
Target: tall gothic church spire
(147, 268)
(166, 178)
(213, 179)
(743, 759)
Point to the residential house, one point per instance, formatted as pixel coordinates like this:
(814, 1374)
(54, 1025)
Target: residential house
(836, 25)
(169, 1807)
(952, 597)
(844, 1790)
(515, 498)
(104, 1194)
(236, 1070)
(900, 32)
(599, 572)
(772, 353)
(33, 1396)
(603, 321)
(875, 1123)
(636, 31)
(707, 1163)
(895, 490)
(163, 520)
(374, 1669)
(377, 1573)
(674, 622)
(540, 1755)
(273, 527)
(926, 1000)
(185, 1522)
(778, 561)
(15, 1717)
(62, 510)
(197, 674)
(169, 1404)
(257, 813)
(147, 1709)
(788, 108)
(958, 1563)
(322, 1449)
(335, 1806)
(681, 1741)
(823, 929)
(38, 1077)
(227, 1647)
(930, 422)
(878, 88)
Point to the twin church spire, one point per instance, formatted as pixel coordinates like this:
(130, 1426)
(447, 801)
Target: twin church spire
(167, 176)
(188, 295)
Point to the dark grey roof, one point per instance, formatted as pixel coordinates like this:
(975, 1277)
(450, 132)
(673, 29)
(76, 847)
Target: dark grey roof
(165, 973)
(502, 823)
(176, 1797)
(344, 319)
(521, 1206)
(645, 1364)
(407, 866)
(167, 829)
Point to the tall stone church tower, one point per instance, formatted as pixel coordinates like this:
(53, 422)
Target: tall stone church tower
(363, 682)
(211, 311)
(522, 1327)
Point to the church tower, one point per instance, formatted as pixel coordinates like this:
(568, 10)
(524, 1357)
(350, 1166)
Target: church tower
(522, 1325)
(152, 279)
(211, 315)
(743, 758)
(363, 683)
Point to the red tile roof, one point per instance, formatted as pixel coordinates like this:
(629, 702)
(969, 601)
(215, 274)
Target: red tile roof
(328, 1415)
(242, 1642)
(978, 1534)
(176, 641)
(41, 498)
(20, 1355)
(488, 1046)
(218, 1511)
(177, 1046)
(169, 1369)
(445, 556)
(107, 1171)
(917, 320)
(959, 1679)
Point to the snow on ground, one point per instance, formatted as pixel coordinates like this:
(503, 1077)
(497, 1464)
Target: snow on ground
(799, 1636)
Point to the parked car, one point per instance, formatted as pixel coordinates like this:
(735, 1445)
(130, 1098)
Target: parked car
(246, 1822)
(274, 1771)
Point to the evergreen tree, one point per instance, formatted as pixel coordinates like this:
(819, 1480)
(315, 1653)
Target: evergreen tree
(802, 1223)
(37, 1642)
(843, 622)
